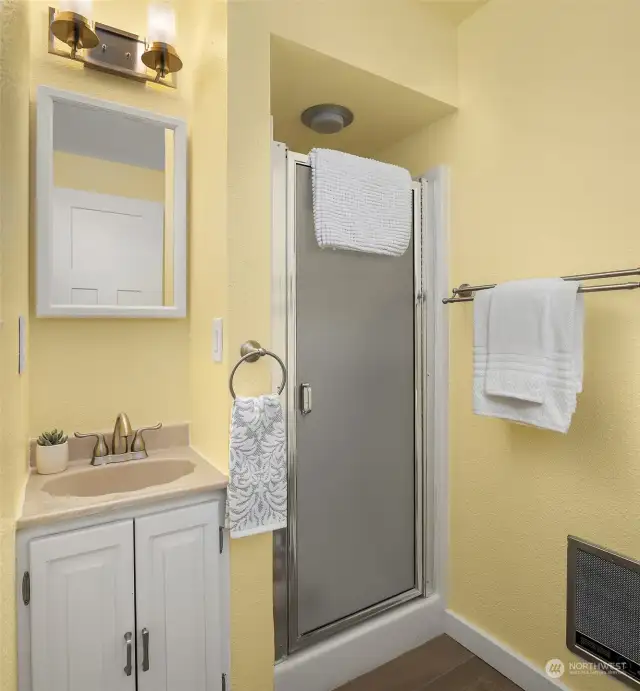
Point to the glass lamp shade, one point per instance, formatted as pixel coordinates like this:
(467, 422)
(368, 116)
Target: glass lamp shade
(161, 23)
(82, 7)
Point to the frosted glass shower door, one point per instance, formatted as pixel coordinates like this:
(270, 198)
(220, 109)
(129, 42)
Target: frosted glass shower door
(354, 544)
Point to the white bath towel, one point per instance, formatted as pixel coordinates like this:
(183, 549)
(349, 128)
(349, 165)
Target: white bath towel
(531, 337)
(360, 204)
(257, 490)
(562, 379)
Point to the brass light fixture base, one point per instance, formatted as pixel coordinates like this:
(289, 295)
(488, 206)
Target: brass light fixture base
(162, 58)
(74, 30)
(109, 49)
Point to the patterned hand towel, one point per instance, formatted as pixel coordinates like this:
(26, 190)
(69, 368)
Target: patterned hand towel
(257, 491)
(360, 204)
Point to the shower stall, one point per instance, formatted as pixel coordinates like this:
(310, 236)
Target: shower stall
(355, 329)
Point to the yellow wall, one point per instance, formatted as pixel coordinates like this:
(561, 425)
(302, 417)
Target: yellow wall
(545, 160)
(107, 177)
(249, 279)
(208, 240)
(404, 41)
(14, 301)
(412, 152)
(230, 276)
(84, 371)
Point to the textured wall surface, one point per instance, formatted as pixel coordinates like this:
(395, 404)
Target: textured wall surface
(404, 41)
(208, 235)
(545, 158)
(249, 300)
(546, 161)
(14, 286)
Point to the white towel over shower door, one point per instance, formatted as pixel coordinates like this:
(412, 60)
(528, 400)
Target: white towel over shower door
(107, 250)
(355, 529)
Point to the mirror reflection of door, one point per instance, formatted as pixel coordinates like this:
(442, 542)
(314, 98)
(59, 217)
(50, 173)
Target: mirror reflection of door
(112, 240)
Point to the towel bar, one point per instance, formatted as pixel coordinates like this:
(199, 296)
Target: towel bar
(465, 292)
(251, 351)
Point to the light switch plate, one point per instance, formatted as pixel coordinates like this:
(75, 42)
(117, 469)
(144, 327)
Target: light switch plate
(217, 340)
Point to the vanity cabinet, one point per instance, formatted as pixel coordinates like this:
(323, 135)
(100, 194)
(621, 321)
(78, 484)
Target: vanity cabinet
(82, 604)
(130, 605)
(177, 600)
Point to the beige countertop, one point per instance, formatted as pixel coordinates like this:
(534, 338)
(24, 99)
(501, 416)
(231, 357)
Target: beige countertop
(41, 507)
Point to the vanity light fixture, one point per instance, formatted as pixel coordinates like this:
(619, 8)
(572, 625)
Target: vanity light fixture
(113, 50)
(160, 55)
(72, 26)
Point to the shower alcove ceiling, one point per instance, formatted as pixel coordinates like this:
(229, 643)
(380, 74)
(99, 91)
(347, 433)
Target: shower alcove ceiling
(385, 112)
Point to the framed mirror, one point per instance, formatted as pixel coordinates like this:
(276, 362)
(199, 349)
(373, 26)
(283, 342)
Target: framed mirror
(111, 220)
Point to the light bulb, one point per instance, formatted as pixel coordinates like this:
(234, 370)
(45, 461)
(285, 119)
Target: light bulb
(161, 22)
(82, 7)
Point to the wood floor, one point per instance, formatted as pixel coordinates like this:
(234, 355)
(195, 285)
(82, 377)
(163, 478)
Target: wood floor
(440, 665)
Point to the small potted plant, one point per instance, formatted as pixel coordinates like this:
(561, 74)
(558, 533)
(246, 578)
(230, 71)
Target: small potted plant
(52, 452)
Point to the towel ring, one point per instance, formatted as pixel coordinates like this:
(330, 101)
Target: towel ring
(252, 351)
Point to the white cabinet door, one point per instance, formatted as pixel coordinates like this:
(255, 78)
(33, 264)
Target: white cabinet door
(82, 605)
(178, 600)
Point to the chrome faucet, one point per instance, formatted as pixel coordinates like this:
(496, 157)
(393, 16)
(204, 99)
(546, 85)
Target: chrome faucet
(121, 450)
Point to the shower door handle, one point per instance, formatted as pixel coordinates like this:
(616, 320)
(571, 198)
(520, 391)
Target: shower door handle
(129, 644)
(145, 650)
(305, 399)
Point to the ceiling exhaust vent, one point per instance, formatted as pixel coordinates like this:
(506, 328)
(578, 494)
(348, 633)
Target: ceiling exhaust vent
(603, 609)
(327, 118)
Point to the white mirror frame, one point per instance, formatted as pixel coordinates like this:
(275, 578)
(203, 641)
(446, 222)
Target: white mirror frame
(44, 211)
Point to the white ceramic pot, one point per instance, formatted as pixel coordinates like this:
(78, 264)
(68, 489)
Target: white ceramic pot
(52, 459)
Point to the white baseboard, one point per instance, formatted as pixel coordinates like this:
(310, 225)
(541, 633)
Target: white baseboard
(346, 656)
(508, 662)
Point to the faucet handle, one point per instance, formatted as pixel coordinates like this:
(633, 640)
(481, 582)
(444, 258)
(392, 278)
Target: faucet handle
(100, 450)
(138, 440)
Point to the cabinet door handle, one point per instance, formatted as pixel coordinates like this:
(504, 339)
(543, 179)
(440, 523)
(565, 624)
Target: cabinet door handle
(306, 403)
(128, 668)
(145, 650)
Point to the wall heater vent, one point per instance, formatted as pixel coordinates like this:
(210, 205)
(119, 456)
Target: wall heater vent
(603, 609)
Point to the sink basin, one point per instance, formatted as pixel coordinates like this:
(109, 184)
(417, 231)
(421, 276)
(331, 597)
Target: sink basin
(118, 478)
